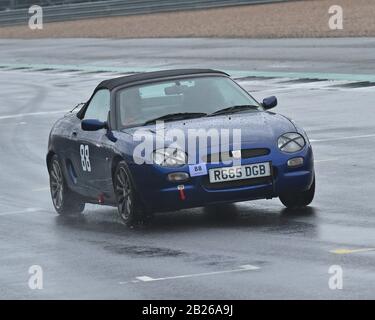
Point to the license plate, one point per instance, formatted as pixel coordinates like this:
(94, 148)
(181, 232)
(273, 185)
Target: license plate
(249, 171)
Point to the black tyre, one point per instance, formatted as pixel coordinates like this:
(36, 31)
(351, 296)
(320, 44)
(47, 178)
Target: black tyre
(64, 201)
(299, 199)
(129, 207)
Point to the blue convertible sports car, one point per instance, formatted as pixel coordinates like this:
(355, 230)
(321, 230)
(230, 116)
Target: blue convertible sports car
(93, 153)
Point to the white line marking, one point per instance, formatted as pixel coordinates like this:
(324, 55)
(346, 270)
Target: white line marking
(246, 267)
(41, 113)
(28, 210)
(344, 138)
(324, 160)
(348, 251)
(146, 278)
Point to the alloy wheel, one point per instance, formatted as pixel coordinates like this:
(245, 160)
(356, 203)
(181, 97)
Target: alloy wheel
(123, 192)
(56, 183)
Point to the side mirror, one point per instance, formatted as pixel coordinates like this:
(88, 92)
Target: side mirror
(270, 102)
(93, 125)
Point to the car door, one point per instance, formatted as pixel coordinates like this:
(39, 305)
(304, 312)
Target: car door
(93, 148)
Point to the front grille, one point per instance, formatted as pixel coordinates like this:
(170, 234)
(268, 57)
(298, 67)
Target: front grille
(252, 153)
(245, 154)
(236, 183)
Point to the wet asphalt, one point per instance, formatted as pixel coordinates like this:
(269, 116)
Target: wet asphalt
(197, 253)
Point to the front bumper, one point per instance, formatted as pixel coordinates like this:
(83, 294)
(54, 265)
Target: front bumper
(159, 194)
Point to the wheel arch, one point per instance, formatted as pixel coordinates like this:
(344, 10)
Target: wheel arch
(116, 160)
(49, 156)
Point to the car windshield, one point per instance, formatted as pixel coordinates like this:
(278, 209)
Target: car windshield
(178, 99)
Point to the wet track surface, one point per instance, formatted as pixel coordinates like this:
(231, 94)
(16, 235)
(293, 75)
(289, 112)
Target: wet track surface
(198, 253)
(346, 55)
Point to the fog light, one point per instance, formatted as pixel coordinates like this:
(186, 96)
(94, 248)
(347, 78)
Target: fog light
(295, 162)
(178, 176)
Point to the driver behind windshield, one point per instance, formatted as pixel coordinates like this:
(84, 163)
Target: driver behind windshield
(191, 97)
(131, 106)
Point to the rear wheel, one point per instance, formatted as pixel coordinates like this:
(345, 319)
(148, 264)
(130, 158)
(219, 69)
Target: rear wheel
(128, 204)
(64, 201)
(298, 199)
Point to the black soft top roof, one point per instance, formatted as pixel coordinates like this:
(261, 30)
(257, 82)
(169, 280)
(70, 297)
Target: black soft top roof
(155, 75)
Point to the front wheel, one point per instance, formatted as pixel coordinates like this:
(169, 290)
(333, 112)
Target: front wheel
(128, 204)
(64, 201)
(298, 199)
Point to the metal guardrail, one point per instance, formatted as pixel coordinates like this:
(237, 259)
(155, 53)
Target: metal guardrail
(22, 4)
(76, 9)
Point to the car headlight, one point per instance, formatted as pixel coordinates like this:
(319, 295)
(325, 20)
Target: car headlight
(169, 157)
(291, 142)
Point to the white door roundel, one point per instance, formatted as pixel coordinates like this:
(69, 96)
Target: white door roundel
(85, 157)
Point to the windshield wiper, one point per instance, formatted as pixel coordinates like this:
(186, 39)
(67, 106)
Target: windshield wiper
(177, 116)
(233, 109)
